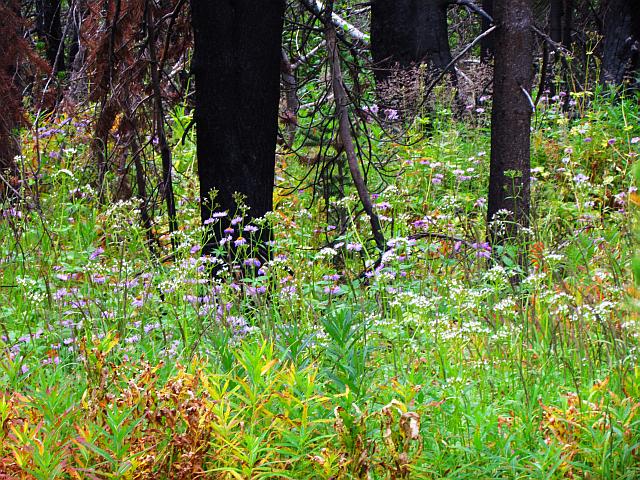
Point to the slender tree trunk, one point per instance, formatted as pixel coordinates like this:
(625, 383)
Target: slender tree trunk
(50, 31)
(621, 40)
(290, 87)
(509, 180)
(158, 120)
(237, 71)
(405, 33)
(342, 103)
(487, 43)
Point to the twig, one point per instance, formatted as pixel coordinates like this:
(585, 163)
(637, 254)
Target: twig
(8, 184)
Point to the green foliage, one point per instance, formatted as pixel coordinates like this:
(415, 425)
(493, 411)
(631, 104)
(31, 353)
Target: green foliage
(321, 363)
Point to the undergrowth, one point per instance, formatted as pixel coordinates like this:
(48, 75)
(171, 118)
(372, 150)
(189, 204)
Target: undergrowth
(321, 363)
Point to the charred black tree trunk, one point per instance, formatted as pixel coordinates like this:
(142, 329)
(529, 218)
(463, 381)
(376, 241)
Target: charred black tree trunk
(549, 57)
(620, 51)
(487, 43)
(555, 64)
(50, 31)
(405, 33)
(509, 179)
(10, 92)
(567, 23)
(237, 72)
(555, 20)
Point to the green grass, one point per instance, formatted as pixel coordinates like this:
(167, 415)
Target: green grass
(118, 364)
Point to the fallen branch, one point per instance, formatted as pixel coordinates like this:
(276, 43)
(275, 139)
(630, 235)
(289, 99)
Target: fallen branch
(317, 8)
(302, 60)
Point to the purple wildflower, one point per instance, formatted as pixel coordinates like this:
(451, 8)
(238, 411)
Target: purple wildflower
(391, 114)
(580, 178)
(354, 247)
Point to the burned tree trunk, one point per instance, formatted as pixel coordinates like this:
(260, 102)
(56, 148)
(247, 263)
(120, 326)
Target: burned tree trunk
(10, 95)
(49, 29)
(487, 43)
(567, 23)
(555, 20)
(405, 33)
(237, 72)
(620, 50)
(509, 180)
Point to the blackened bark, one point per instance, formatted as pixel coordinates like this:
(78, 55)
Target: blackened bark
(237, 72)
(487, 43)
(405, 33)
(50, 31)
(555, 20)
(549, 59)
(10, 93)
(567, 23)
(621, 40)
(509, 180)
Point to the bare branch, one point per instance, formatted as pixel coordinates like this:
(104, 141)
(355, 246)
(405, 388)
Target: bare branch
(457, 58)
(474, 8)
(558, 47)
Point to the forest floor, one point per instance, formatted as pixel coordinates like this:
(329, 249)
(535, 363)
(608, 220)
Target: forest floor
(118, 363)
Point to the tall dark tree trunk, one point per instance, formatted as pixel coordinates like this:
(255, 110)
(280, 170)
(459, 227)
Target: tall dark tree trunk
(237, 72)
(50, 31)
(555, 20)
(405, 33)
(567, 23)
(10, 93)
(621, 25)
(550, 58)
(510, 174)
(487, 43)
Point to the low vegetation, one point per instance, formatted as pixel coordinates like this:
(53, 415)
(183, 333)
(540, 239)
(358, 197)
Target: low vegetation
(122, 359)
